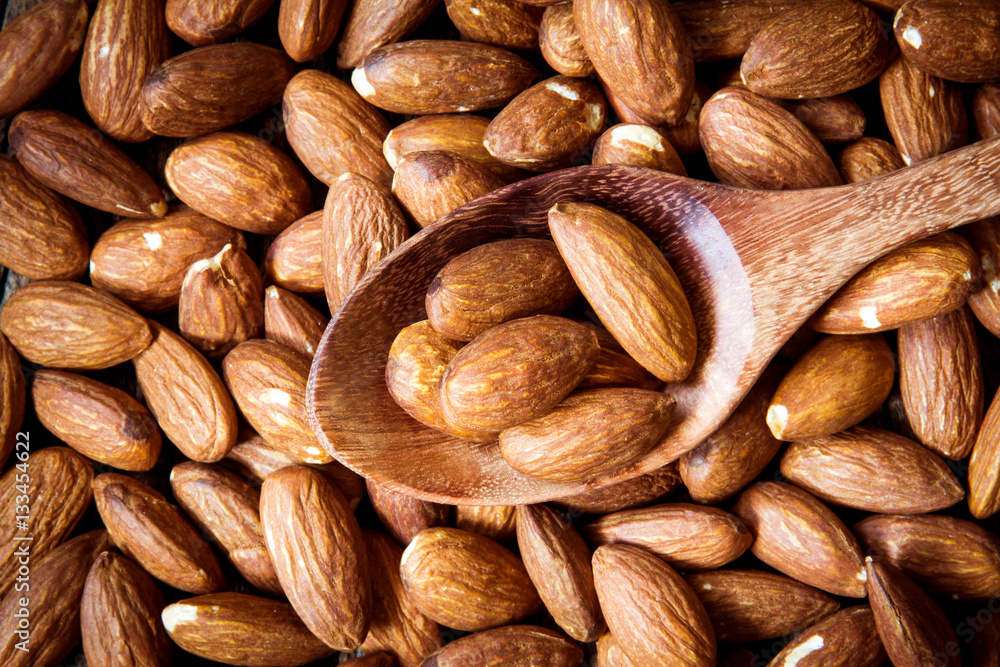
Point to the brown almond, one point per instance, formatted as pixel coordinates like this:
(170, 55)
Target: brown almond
(631, 493)
(100, 421)
(466, 581)
(559, 563)
(441, 76)
(55, 487)
(984, 469)
(221, 302)
(799, 536)
(514, 645)
(77, 161)
(333, 130)
(212, 87)
(610, 653)
(370, 24)
(986, 110)
(307, 28)
(318, 553)
(510, 24)
(685, 137)
(637, 146)
(431, 184)
(689, 537)
(291, 321)
(404, 515)
(497, 522)
(68, 325)
(645, 310)
(362, 224)
(927, 32)
(723, 29)
(44, 238)
(224, 506)
(847, 638)
(866, 158)
(614, 367)
(922, 279)
(294, 259)
(126, 41)
(203, 22)
(186, 395)
(590, 434)
(37, 48)
(120, 615)
(984, 236)
(498, 282)
(13, 397)
(834, 120)
(650, 609)
(560, 42)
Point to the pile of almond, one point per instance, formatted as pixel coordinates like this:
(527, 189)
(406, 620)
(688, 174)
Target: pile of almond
(189, 190)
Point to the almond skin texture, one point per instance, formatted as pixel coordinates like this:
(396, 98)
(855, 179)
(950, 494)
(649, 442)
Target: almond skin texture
(125, 43)
(318, 553)
(640, 51)
(834, 120)
(333, 130)
(53, 604)
(750, 605)
(912, 626)
(928, 31)
(68, 325)
(75, 160)
(13, 397)
(560, 42)
(362, 224)
(868, 157)
(816, 49)
(143, 262)
(241, 180)
(588, 435)
(58, 494)
(652, 612)
(511, 24)
(466, 581)
(630, 285)
(920, 280)
(224, 506)
(984, 236)
(404, 516)
(752, 142)
(872, 469)
(120, 615)
(294, 259)
(156, 534)
(838, 382)
(221, 302)
(549, 125)
(514, 372)
(637, 146)
(799, 536)
(370, 24)
(240, 629)
(689, 537)
(37, 48)
(202, 22)
(986, 110)
(431, 184)
(291, 321)
(559, 563)
(511, 646)
(636, 492)
(99, 421)
(498, 282)
(723, 29)
(941, 381)
(984, 465)
(268, 382)
(307, 28)
(848, 637)
(212, 87)
(441, 76)
(925, 114)
(614, 367)
(44, 238)
(497, 522)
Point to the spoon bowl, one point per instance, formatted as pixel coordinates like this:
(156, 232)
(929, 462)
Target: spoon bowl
(754, 265)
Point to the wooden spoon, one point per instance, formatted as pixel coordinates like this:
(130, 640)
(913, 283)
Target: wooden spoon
(755, 265)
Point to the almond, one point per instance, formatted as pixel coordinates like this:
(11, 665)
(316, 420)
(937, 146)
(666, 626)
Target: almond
(403, 515)
(120, 615)
(631, 493)
(318, 553)
(56, 489)
(984, 236)
(186, 395)
(799, 536)
(38, 47)
(212, 87)
(370, 24)
(307, 28)
(630, 285)
(498, 282)
(637, 146)
(101, 422)
(294, 259)
(652, 612)
(920, 280)
(291, 321)
(44, 238)
(497, 522)
(441, 76)
(362, 224)
(689, 537)
(513, 645)
(847, 638)
(560, 42)
(986, 110)
(466, 581)
(221, 302)
(816, 49)
(511, 24)
(640, 51)
(868, 157)
(156, 534)
(984, 465)
(614, 367)
(333, 130)
(12, 399)
(685, 137)
(610, 652)
(752, 142)
(837, 383)
(927, 32)
(79, 162)
(202, 22)
(833, 120)
(431, 184)
(723, 29)
(559, 564)
(126, 41)
(236, 628)
(68, 325)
